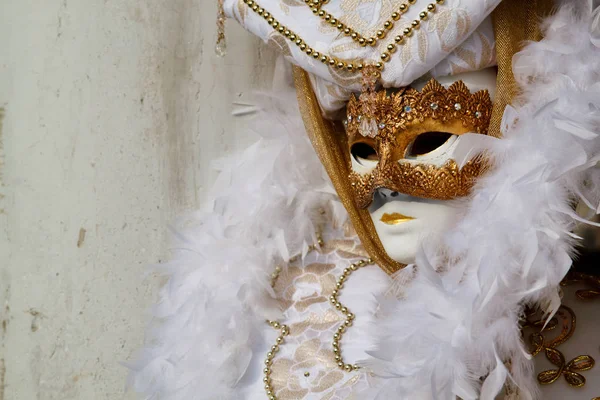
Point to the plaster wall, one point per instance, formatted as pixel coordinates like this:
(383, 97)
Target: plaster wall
(113, 111)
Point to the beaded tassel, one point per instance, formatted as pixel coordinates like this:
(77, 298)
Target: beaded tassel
(368, 98)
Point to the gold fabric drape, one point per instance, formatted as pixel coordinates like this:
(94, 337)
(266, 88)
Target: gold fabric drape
(515, 21)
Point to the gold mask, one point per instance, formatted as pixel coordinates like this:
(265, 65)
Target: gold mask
(388, 129)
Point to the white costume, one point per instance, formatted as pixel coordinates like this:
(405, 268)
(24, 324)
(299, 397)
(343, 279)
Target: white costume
(413, 244)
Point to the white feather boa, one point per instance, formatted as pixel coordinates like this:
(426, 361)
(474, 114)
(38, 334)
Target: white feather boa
(514, 245)
(450, 328)
(265, 206)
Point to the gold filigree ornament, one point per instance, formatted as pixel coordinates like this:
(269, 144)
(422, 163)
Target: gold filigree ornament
(557, 331)
(390, 124)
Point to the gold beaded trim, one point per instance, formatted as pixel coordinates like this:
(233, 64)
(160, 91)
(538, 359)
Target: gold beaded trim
(337, 337)
(399, 40)
(316, 7)
(284, 330)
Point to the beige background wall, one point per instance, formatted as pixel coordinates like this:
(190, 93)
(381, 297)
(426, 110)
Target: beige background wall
(113, 111)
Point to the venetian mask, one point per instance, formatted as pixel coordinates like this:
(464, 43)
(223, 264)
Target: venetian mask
(402, 146)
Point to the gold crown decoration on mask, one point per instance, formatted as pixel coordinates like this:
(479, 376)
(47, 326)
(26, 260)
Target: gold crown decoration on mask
(390, 124)
(375, 113)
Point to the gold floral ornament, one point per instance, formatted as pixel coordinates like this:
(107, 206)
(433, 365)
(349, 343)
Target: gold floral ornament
(592, 292)
(558, 330)
(390, 124)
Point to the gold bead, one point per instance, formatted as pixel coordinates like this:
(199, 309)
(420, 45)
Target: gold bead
(250, 2)
(332, 61)
(316, 54)
(355, 367)
(350, 67)
(416, 24)
(340, 364)
(347, 31)
(287, 33)
(431, 7)
(350, 316)
(275, 349)
(347, 322)
(270, 20)
(279, 340)
(388, 24)
(338, 305)
(348, 368)
(395, 16)
(371, 41)
(272, 398)
(269, 392)
(269, 355)
(380, 34)
(285, 330)
(324, 59)
(362, 41)
(379, 66)
(407, 32)
(333, 21)
(336, 336)
(315, 10)
(309, 51)
(327, 17)
(439, 1)
(266, 14)
(292, 36)
(338, 358)
(266, 380)
(391, 48)
(321, 13)
(281, 29)
(267, 371)
(354, 36)
(255, 7)
(385, 56)
(412, 1)
(261, 11)
(268, 362)
(403, 8)
(344, 310)
(423, 15)
(303, 46)
(340, 26)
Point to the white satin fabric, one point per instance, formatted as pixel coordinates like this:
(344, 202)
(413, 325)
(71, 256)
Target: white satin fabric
(458, 37)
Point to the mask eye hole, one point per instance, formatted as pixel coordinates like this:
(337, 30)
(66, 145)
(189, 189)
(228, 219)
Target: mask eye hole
(363, 152)
(426, 143)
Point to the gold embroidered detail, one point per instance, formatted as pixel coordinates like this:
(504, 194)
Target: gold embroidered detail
(565, 319)
(593, 283)
(407, 108)
(562, 325)
(391, 124)
(428, 181)
(570, 370)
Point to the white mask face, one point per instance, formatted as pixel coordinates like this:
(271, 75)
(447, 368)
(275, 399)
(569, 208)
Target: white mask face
(402, 221)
